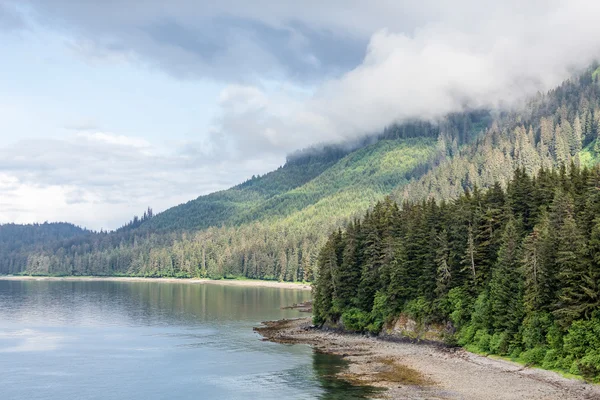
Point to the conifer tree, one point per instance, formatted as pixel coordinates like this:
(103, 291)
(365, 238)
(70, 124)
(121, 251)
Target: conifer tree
(506, 286)
(348, 275)
(572, 265)
(537, 248)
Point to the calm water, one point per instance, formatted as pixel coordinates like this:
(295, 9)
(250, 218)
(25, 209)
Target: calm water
(138, 340)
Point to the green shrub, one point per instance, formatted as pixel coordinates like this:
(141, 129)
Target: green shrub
(565, 363)
(459, 306)
(380, 313)
(466, 335)
(589, 366)
(356, 320)
(482, 340)
(515, 351)
(582, 348)
(534, 356)
(500, 343)
(555, 339)
(418, 309)
(574, 368)
(535, 329)
(551, 359)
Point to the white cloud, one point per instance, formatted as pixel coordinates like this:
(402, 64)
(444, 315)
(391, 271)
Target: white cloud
(118, 140)
(368, 63)
(101, 180)
(444, 66)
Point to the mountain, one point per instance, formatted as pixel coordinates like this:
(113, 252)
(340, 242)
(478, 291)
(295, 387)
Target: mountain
(272, 226)
(512, 269)
(17, 242)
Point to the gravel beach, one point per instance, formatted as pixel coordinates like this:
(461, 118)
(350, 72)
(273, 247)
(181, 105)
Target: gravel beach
(426, 371)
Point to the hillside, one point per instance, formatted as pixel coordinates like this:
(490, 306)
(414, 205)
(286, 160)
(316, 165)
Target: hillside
(510, 271)
(228, 206)
(17, 242)
(553, 129)
(268, 227)
(271, 226)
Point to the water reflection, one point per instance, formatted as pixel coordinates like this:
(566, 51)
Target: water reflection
(150, 340)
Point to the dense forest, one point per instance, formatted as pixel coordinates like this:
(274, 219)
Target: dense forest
(272, 226)
(515, 271)
(269, 227)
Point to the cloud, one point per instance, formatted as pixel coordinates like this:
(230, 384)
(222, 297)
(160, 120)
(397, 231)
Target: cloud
(368, 64)
(229, 41)
(496, 62)
(296, 73)
(100, 180)
(117, 140)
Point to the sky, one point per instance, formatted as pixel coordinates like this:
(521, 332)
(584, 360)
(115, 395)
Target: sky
(110, 107)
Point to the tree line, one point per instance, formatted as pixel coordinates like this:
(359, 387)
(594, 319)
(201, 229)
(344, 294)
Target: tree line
(272, 226)
(514, 271)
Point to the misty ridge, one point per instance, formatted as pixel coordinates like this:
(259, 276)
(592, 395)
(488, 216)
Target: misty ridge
(272, 226)
(306, 79)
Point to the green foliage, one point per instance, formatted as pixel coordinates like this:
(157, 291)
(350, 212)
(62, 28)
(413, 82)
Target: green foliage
(460, 307)
(500, 342)
(356, 320)
(534, 356)
(482, 340)
(588, 157)
(535, 330)
(582, 344)
(380, 313)
(418, 309)
(535, 299)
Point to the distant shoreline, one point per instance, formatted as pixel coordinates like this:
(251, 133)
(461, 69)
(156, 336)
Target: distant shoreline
(223, 282)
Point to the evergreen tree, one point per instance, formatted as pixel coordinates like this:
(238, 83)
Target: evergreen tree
(537, 248)
(572, 266)
(348, 275)
(506, 286)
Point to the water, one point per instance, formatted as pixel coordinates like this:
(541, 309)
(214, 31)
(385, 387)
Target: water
(151, 340)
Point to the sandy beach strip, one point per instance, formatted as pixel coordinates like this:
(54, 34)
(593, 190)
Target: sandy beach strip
(227, 282)
(424, 371)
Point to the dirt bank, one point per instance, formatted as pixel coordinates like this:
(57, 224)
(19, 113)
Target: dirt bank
(424, 371)
(232, 282)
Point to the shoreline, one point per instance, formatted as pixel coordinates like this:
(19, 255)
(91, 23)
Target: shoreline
(201, 281)
(426, 371)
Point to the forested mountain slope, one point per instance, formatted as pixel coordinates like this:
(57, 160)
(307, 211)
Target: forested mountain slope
(228, 206)
(271, 226)
(17, 242)
(513, 271)
(268, 227)
(552, 129)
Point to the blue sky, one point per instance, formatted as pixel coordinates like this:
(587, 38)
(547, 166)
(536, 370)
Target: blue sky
(53, 91)
(107, 108)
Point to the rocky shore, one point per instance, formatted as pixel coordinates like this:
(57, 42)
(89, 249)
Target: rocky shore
(426, 371)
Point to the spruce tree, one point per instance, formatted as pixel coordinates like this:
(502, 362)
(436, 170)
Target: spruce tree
(349, 272)
(572, 265)
(506, 286)
(537, 267)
